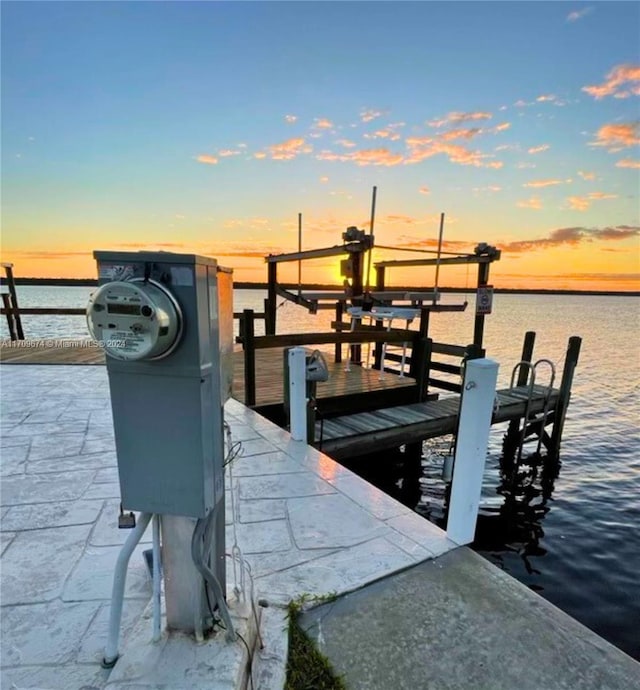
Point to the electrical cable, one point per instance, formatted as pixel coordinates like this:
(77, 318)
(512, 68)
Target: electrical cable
(198, 557)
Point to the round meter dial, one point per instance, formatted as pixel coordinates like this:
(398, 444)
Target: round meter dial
(135, 319)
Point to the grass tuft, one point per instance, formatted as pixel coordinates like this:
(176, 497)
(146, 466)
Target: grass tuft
(307, 668)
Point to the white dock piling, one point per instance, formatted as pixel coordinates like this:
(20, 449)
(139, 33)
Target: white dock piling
(474, 424)
(298, 393)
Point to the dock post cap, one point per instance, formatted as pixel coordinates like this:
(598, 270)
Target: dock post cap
(6, 264)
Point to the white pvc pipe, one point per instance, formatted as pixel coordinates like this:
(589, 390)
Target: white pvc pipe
(117, 593)
(157, 603)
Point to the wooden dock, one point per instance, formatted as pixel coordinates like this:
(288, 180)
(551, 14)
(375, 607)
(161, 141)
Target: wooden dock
(365, 432)
(269, 370)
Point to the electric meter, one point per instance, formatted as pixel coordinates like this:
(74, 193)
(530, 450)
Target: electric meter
(135, 319)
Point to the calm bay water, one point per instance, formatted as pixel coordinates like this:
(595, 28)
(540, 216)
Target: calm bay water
(580, 547)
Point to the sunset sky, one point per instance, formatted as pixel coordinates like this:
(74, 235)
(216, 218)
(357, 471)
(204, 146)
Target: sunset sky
(207, 127)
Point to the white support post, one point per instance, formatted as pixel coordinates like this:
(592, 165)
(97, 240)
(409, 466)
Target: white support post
(298, 393)
(476, 409)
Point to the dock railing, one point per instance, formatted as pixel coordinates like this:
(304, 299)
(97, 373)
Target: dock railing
(421, 358)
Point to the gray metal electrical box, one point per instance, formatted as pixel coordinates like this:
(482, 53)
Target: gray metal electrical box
(166, 324)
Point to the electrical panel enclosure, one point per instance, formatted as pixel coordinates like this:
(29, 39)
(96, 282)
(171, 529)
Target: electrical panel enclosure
(165, 321)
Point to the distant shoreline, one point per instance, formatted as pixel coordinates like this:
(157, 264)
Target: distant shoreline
(240, 285)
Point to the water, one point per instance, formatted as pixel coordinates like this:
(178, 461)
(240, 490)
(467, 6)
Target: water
(579, 546)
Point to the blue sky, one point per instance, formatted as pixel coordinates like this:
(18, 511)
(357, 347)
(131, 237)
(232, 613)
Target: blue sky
(209, 126)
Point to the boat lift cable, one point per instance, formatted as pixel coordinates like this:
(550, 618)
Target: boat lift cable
(421, 251)
(371, 224)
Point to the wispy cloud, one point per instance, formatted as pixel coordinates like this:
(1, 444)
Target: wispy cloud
(578, 14)
(572, 236)
(621, 82)
(582, 203)
(381, 156)
(322, 123)
(456, 118)
(290, 119)
(386, 133)
(207, 159)
(618, 136)
(347, 143)
(533, 203)
(542, 183)
(369, 115)
(225, 153)
(421, 148)
(324, 179)
(628, 163)
(539, 149)
(424, 190)
(589, 176)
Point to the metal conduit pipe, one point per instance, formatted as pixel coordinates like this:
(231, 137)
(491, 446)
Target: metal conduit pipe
(117, 593)
(157, 605)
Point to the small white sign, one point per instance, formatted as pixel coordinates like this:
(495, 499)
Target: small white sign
(484, 299)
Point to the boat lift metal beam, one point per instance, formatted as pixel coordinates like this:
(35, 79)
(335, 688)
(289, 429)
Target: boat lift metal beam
(338, 249)
(446, 261)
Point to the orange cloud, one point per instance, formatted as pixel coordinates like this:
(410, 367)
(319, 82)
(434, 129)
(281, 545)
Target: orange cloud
(322, 123)
(617, 136)
(587, 175)
(455, 118)
(542, 183)
(376, 157)
(347, 143)
(207, 158)
(582, 203)
(454, 134)
(324, 179)
(424, 190)
(288, 149)
(628, 163)
(627, 76)
(422, 148)
(539, 149)
(290, 119)
(532, 203)
(387, 133)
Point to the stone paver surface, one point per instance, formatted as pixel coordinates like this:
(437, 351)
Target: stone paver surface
(303, 524)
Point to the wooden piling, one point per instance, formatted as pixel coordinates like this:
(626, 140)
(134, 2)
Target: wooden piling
(11, 284)
(249, 358)
(570, 363)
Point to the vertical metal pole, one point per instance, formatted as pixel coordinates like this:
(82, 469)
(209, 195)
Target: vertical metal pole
(157, 599)
(435, 290)
(298, 393)
(299, 251)
(474, 424)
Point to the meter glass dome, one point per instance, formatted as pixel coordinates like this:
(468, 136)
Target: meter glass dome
(135, 320)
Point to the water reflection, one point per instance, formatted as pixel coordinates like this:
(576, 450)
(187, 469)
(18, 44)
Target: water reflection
(516, 497)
